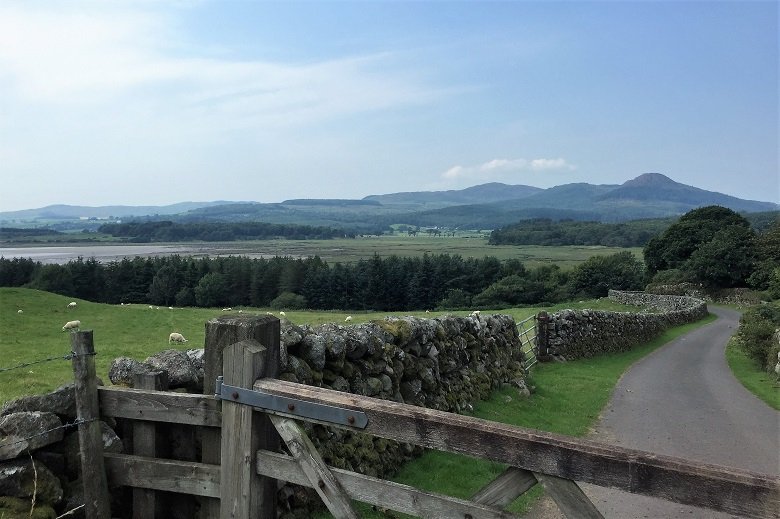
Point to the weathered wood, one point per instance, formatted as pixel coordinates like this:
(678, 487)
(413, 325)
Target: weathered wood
(569, 497)
(186, 477)
(244, 495)
(145, 443)
(508, 486)
(221, 333)
(320, 477)
(181, 408)
(725, 489)
(381, 493)
(96, 502)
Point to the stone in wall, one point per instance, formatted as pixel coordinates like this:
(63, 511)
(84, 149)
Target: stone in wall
(27, 431)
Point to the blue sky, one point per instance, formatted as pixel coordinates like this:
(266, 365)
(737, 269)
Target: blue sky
(152, 102)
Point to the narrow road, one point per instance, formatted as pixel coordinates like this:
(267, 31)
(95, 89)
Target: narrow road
(682, 400)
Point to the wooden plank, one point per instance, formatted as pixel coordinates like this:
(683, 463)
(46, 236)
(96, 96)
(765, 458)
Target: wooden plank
(221, 333)
(182, 408)
(96, 502)
(382, 493)
(320, 477)
(186, 477)
(729, 490)
(145, 443)
(569, 497)
(508, 486)
(243, 494)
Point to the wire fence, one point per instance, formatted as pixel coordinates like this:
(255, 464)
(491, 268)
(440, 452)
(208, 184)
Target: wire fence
(69, 356)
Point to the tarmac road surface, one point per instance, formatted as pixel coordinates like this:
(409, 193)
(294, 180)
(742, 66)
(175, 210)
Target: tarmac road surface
(682, 400)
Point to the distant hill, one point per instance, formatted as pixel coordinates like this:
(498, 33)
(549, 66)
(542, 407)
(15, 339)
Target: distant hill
(69, 212)
(485, 206)
(491, 192)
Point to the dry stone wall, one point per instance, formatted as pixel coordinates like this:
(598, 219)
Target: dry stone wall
(446, 363)
(577, 334)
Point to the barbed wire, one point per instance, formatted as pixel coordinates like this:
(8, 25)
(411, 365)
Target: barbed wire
(69, 356)
(63, 426)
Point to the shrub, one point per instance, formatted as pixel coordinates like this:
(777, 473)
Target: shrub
(756, 334)
(289, 301)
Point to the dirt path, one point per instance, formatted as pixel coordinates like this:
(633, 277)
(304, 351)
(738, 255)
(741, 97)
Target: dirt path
(682, 400)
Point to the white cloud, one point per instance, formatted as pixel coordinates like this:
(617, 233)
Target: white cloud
(499, 169)
(122, 55)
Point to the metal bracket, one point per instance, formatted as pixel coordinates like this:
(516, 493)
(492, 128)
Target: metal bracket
(289, 406)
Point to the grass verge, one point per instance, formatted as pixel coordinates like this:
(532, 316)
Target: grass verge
(762, 384)
(568, 400)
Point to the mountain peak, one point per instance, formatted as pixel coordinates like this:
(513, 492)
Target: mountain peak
(650, 180)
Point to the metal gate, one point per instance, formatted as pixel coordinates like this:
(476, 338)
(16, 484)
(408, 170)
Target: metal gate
(526, 329)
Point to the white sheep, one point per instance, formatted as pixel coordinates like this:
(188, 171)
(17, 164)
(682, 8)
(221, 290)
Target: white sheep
(72, 304)
(176, 337)
(228, 309)
(20, 311)
(475, 313)
(151, 307)
(348, 319)
(283, 314)
(72, 325)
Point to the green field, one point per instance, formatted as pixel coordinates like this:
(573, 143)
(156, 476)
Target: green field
(134, 331)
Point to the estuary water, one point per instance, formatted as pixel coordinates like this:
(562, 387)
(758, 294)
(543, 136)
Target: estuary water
(106, 253)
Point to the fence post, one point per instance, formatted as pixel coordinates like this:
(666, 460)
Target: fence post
(542, 336)
(221, 333)
(96, 502)
(145, 443)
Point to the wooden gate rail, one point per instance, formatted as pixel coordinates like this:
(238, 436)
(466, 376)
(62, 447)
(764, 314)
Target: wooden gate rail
(683, 481)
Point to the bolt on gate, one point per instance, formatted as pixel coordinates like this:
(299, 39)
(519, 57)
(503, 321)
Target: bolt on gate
(248, 412)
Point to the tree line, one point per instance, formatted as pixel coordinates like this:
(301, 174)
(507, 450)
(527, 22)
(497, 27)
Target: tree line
(545, 231)
(386, 284)
(168, 231)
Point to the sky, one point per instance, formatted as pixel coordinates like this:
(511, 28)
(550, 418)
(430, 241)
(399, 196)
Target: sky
(152, 102)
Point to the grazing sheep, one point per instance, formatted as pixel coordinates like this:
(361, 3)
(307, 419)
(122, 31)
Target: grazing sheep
(72, 325)
(176, 337)
(72, 304)
(151, 307)
(475, 313)
(228, 309)
(283, 314)
(348, 319)
(170, 308)
(20, 311)
(269, 313)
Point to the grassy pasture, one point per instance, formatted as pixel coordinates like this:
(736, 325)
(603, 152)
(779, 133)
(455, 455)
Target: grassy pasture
(134, 331)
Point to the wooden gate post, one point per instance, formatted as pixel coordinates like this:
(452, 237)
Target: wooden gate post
(96, 503)
(244, 494)
(221, 333)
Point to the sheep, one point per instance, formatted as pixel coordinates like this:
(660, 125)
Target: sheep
(72, 304)
(20, 311)
(176, 337)
(72, 325)
(283, 314)
(348, 319)
(151, 307)
(228, 309)
(475, 313)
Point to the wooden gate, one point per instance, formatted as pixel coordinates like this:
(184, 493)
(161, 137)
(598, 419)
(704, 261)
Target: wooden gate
(249, 410)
